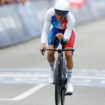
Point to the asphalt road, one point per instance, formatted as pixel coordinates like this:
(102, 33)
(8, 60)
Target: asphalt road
(89, 55)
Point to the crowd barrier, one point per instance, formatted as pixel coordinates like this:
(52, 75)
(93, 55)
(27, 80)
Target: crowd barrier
(93, 9)
(22, 22)
(12, 29)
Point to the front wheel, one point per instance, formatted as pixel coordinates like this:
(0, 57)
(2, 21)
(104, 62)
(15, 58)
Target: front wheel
(63, 91)
(57, 95)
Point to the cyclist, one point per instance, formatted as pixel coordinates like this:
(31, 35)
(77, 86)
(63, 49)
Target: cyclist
(59, 22)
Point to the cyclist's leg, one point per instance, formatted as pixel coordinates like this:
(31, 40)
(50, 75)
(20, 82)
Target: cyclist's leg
(51, 60)
(68, 54)
(69, 59)
(50, 54)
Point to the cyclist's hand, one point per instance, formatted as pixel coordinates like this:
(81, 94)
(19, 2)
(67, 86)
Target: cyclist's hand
(59, 36)
(43, 48)
(64, 41)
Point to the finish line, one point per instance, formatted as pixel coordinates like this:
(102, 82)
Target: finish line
(82, 77)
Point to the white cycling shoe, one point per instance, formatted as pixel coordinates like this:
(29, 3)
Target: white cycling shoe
(51, 76)
(69, 88)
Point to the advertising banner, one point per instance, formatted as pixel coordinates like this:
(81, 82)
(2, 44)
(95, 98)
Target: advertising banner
(40, 8)
(11, 28)
(29, 18)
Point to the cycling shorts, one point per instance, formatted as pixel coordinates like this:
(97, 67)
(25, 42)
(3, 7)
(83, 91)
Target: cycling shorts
(54, 31)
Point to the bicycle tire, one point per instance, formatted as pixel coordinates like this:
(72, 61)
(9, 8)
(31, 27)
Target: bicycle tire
(63, 96)
(57, 95)
(60, 88)
(57, 87)
(63, 90)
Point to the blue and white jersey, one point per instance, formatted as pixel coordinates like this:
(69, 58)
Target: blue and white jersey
(51, 21)
(58, 25)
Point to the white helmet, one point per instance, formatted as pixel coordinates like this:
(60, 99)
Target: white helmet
(62, 5)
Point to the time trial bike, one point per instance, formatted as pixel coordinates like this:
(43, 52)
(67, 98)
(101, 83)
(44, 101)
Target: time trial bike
(60, 77)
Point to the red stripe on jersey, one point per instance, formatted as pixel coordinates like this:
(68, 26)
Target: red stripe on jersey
(71, 40)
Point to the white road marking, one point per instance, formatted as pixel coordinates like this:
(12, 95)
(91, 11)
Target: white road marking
(46, 75)
(26, 94)
(29, 92)
(4, 99)
(88, 77)
(22, 75)
(103, 82)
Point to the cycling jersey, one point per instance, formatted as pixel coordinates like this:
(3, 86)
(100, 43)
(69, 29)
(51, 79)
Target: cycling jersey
(51, 22)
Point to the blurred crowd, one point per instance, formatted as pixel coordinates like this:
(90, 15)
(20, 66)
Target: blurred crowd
(2, 2)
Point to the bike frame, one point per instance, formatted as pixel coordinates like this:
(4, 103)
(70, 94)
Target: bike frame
(60, 67)
(60, 76)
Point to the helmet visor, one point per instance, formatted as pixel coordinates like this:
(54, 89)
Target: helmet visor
(61, 13)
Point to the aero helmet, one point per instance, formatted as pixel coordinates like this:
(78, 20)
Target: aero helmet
(62, 7)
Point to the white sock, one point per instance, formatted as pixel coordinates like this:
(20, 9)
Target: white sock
(52, 65)
(69, 74)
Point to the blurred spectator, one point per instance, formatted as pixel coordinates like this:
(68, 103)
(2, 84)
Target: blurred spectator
(2, 2)
(21, 1)
(9, 1)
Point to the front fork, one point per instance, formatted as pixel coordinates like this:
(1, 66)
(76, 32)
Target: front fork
(62, 78)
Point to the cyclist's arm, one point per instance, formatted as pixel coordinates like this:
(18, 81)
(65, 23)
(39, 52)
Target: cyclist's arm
(70, 26)
(47, 24)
